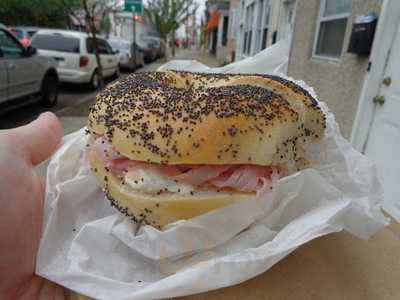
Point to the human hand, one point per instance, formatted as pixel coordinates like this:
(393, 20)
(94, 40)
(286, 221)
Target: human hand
(21, 202)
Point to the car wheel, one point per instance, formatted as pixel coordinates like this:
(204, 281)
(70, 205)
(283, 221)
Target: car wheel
(49, 89)
(95, 81)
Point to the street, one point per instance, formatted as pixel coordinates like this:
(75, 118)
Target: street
(72, 97)
(24, 110)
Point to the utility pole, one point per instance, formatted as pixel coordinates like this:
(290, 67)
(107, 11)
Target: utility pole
(186, 28)
(134, 35)
(193, 27)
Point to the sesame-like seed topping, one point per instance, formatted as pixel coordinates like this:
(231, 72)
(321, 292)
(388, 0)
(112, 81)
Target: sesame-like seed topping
(153, 110)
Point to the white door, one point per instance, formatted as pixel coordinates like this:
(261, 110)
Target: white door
(109, 61)
(383, 144)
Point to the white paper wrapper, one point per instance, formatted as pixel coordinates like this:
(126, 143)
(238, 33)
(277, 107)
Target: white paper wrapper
(90, 248)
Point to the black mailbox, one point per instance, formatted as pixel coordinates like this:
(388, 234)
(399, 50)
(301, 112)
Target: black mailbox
(362, 34)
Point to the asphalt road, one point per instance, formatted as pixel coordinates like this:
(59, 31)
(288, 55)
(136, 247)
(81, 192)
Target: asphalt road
(23, 111)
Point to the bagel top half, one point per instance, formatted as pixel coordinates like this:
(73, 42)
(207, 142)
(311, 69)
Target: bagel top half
(175, 117)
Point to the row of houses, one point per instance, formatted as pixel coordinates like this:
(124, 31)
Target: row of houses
(347, 50)
(236, 29)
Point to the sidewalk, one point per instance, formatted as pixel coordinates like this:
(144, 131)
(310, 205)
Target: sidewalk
(186, 54)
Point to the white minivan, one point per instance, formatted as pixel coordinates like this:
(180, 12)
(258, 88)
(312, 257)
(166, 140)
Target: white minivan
(74, 53)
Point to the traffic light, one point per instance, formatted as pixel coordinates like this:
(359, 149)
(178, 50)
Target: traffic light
(136, 18)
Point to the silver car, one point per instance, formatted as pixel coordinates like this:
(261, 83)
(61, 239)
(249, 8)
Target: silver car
(124, 48)
(24, 73)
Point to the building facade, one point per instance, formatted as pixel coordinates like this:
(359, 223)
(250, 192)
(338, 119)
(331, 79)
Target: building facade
(334, 48)
(319, 56)
(216, 28)
(232, 30)
(261, 23)
(122, 26)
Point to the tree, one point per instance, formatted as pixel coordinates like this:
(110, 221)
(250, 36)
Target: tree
(41, 13)
(105, 26)
(166, 16)
(91, 10)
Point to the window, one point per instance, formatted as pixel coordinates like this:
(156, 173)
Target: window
(18, 33)
(31, 33)
(118, 44)
(248, 30)
(265, 24)
(103, 46)
(259, 22)
(108, 48)
(9, 46)
(55, 42)
(225, 23)
(331, 28)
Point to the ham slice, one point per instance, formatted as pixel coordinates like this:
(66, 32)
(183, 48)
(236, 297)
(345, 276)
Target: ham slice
(202, 174)
(104, 150)
(246, 178)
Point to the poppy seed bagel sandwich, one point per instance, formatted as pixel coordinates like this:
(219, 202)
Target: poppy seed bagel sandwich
(173, 145)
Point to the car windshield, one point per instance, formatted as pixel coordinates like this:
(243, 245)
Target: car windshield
(55, 43)
(151, 43)
(31, 33)
(119, 44)
(125, 46)
(103, 46)
(141, 44)
(18, 33)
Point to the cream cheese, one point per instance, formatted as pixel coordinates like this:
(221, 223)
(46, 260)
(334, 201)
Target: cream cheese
(150, 180)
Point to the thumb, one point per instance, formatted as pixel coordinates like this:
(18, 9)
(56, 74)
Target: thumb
(39, 139)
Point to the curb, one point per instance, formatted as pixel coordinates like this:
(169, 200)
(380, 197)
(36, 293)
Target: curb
(65, 112)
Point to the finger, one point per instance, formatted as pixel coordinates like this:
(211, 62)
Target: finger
(40, 138)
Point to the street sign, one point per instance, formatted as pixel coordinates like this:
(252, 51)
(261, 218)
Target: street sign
(135, 6)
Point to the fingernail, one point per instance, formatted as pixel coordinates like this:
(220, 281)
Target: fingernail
(41, 115)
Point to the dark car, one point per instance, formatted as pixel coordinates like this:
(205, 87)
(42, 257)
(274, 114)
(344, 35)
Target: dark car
(158, 45)
(149, 51)
(24, 34)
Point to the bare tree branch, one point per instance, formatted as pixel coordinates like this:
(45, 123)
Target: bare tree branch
(167, 15)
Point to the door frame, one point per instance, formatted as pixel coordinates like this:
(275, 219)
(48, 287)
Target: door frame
(385, 34)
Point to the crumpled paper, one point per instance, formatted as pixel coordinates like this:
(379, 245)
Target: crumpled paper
(90, 248)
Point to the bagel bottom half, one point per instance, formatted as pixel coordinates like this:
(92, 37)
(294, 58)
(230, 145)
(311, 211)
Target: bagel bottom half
(159, 210)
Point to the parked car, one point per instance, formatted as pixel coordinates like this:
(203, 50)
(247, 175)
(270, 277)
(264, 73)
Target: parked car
(158, 45)
(125, 49)
(75, 55)
(163, 48)
(24, 34)
(149, 51)
(24, 73)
